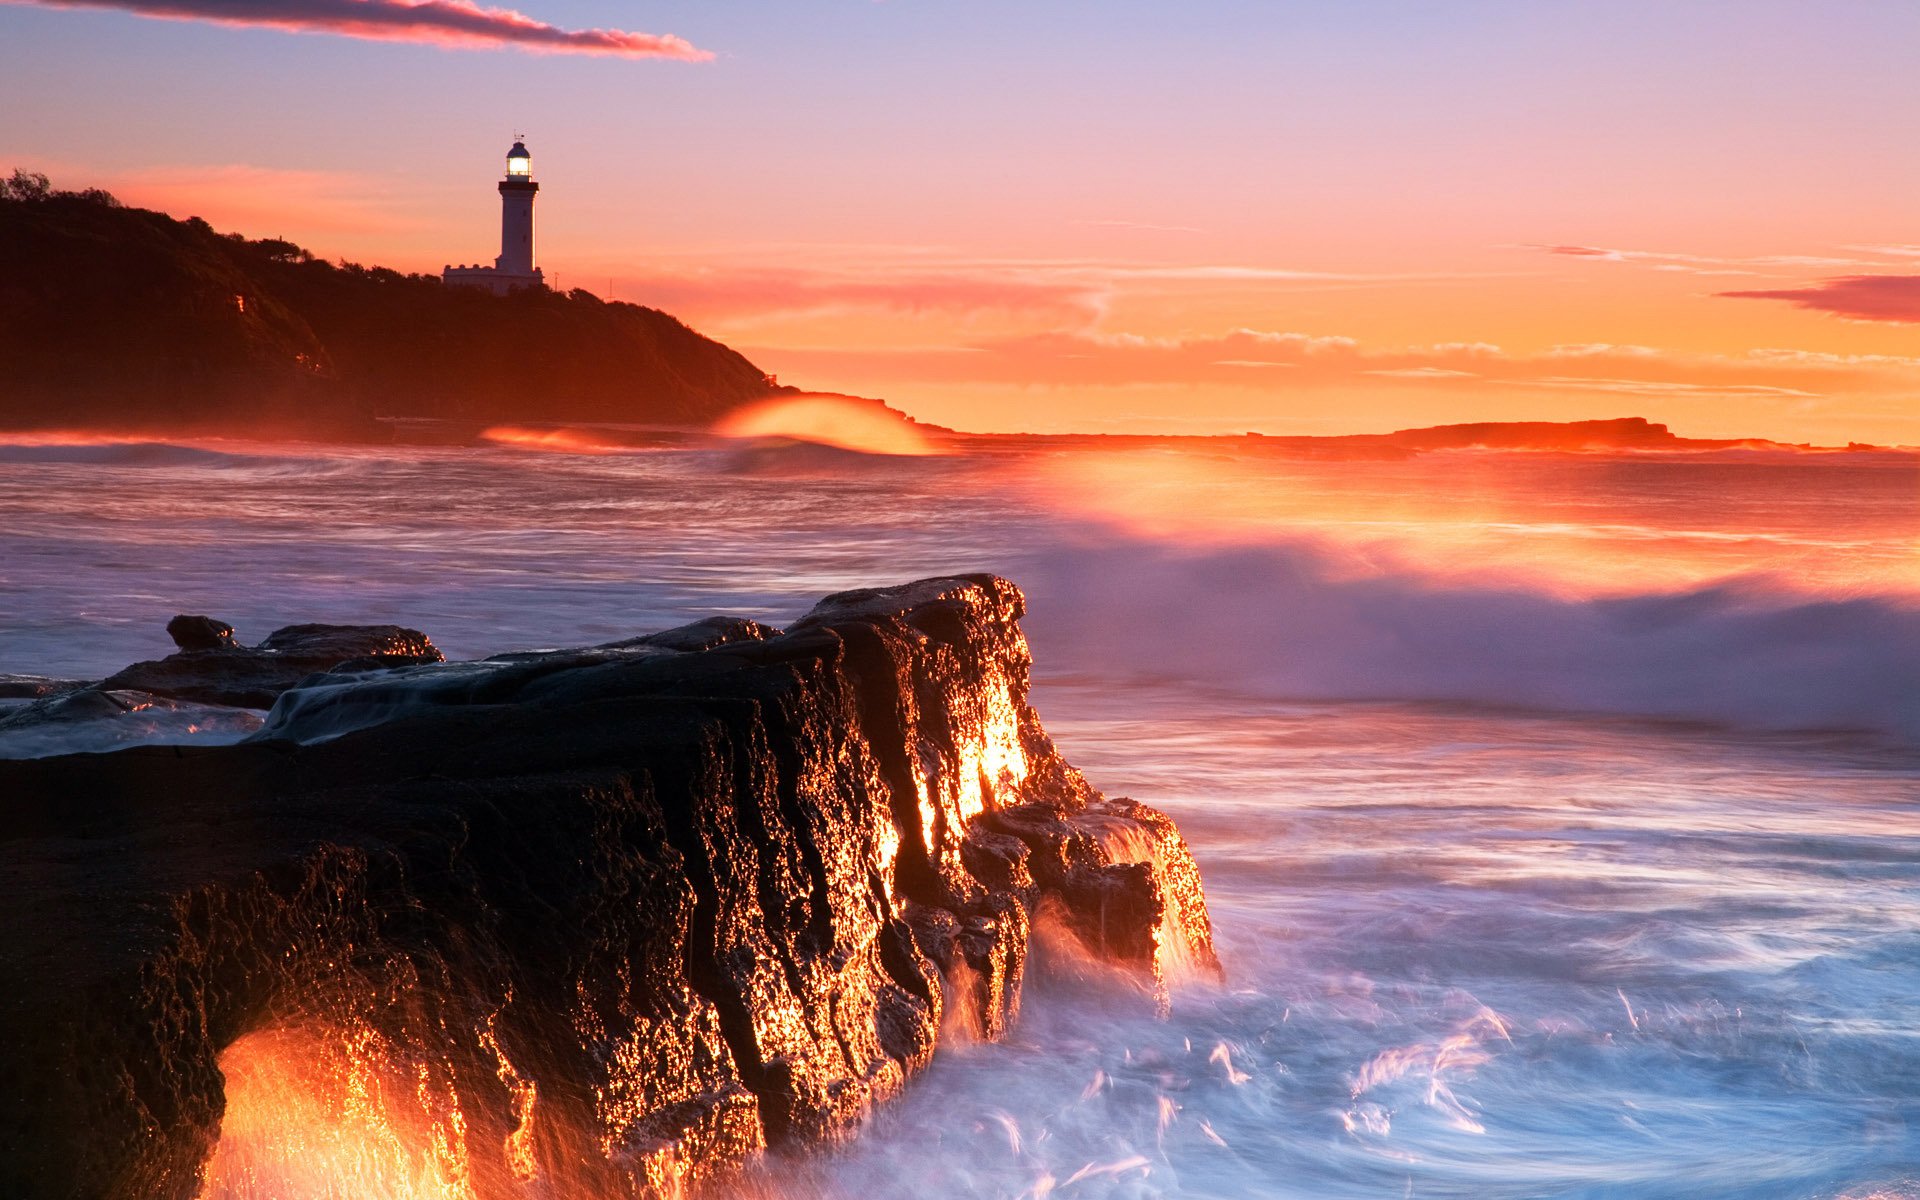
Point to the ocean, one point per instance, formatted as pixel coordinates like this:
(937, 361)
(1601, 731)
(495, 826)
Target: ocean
(1559, 812)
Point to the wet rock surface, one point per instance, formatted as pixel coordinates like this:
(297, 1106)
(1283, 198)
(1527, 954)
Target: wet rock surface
(35, 687)
(634, 911)
(203, 685)
(201, 633)
(211, 668)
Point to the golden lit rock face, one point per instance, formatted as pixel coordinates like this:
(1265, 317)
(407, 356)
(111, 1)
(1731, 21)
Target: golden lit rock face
(603, 927)
(334, 1112)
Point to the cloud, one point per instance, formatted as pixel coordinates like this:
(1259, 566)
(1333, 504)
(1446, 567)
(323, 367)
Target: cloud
(740, 299)
(449, 23)
(1600, 350)
(1861, 297)
(1823, 358)
(1423, 373)
(1298, 362)
(1707, 264)
(1665, 387)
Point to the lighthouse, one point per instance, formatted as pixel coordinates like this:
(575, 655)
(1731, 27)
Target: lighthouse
(514, 268)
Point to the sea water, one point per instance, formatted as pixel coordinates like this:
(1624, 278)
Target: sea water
(1559, 814)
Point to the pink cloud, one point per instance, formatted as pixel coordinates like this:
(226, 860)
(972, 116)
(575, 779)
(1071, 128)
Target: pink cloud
(1707, 264)
(1861, 297)
(451, 23)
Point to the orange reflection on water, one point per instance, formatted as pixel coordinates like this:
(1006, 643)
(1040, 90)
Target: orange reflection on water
(1577, 526)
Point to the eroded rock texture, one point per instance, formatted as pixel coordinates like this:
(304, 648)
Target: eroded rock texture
(620, 916)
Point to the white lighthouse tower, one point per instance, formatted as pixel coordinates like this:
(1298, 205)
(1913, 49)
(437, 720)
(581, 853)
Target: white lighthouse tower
(514, 268)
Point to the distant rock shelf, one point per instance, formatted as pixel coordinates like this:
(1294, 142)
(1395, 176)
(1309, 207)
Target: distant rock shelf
(610, 919)
(1615, 435)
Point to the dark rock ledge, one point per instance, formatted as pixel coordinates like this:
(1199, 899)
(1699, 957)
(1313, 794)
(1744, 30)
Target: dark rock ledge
(210, 668)
(639, 911)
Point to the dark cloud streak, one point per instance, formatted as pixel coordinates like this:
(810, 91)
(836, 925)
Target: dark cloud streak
(1861, 297)
(447, 23)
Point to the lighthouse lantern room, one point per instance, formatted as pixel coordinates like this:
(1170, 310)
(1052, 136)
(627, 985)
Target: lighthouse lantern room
(514, 269)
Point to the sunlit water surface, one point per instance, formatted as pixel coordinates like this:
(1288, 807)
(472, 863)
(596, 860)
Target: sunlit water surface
(1560, 817)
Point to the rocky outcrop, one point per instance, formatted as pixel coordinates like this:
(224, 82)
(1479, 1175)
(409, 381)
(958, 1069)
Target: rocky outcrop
(609, 919)
(211, 668)
(206, 685)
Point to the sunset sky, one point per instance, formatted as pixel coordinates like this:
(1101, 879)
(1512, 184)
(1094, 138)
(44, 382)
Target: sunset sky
(1213, 216)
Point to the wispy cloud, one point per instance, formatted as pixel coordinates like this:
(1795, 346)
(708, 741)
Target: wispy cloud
(450, 23)
(737, 293)
(1860, 297)
(1423, 373)
(1600, 350)
(1896, 251)
(1708, 264)
(1664, 387)
(1294, 362)
(1823, 358)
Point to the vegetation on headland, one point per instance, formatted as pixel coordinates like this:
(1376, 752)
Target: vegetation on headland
(125, 318)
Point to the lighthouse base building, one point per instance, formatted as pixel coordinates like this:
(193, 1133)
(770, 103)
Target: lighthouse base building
(492, 278)
(514, 269)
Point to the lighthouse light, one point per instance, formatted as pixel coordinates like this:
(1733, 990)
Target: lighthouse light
(519, 166)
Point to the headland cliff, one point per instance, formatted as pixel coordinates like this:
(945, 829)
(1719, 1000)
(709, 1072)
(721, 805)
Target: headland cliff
(126, 319)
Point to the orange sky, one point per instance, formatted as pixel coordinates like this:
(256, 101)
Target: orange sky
(1056, 217)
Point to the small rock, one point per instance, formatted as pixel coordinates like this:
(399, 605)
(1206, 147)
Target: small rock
(395, 645)
(200, 633)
